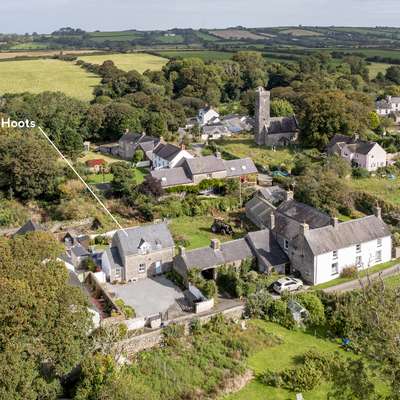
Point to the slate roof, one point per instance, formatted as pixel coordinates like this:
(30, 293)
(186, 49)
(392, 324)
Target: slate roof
(243, 166)
(338, 138)
(206, 257)
(79, 251)
(171, 176)
(383, 105)
(157, 236)
(204, 165)
(215, 128)
(354, 145)
(350, 233)
(291, 214)
(29, 226)
(258, 210)
(267, 248)
(114, 258)
(282, 125)
(166, 151)
(273, 194)
(139, 138)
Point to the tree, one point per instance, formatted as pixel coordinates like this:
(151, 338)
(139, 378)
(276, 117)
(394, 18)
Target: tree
(151, 187)
(393, 74)
(124, 182)
(138, 156)
(28, 165)
(38, 309)
(281, 108)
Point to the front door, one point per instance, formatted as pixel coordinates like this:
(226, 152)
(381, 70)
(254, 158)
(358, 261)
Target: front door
(158, 268)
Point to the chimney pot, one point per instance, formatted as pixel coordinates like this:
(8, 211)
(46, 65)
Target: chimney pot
(289, 195)
(215, 244)
(378, 212)
(181, 251)
(304, 228)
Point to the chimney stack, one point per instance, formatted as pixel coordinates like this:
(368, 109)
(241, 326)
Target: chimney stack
(335, 222)
(378, 212)
(304, 228)
(289, 195)
(271, 221)
(181, 251)
(215, 244)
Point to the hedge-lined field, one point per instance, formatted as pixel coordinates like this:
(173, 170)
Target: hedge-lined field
(38, 76)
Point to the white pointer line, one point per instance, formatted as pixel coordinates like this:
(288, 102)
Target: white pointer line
(82, 180)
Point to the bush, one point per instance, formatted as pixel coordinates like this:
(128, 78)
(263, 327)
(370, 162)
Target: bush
(360, 173)
(172, 333)
(89, 264)
(315, 308)
(349, 272)
(101, 240)
(128, 311)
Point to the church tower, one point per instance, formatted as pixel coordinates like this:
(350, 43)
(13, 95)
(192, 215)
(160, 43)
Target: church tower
(262, 114)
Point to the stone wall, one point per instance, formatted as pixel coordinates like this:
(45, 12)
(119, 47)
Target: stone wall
(152, 339)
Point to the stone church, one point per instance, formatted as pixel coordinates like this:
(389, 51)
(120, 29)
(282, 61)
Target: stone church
(272, 131)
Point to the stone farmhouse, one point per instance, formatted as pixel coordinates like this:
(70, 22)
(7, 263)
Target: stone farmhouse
(193, 171)
(387, 106)
(320, 247)
(272, 131)
(158, 154)
(359, 153)
(143, 252)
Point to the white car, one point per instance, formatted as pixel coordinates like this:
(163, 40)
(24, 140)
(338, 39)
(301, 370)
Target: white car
(287, 284)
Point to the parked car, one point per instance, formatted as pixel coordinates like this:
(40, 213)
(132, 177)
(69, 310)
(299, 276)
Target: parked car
(287, 284)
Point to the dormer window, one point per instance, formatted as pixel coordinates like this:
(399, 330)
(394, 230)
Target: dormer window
(144, 247)
(244, 167)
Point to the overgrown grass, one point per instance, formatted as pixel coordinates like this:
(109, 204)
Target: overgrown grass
(127, 62)
(384, 188)
(245, 146)
(372, 270)
(38, 76)
(197, 231)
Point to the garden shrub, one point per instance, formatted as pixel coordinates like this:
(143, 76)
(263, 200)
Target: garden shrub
(315, 308)
(128, 311)
(349, 272)
(172, 333)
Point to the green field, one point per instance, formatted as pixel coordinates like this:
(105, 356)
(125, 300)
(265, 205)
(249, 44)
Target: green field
(115, 36)
(278, 357)
(375, 68)
(244, 146)
(107, 178)
(127, 62)
(384, 188)
(204, 55)
(37, 76)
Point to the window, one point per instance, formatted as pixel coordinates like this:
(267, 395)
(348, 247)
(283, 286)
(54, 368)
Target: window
(142, 268)
(286, 244)
(379, 242)
(117, 272)
(335, 269)
(378, 256)
(358, 248)
(335, 254)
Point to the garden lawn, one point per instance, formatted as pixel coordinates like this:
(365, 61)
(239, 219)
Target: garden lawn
(91, 155)
(197, 231)
(244, 146)
(375, 68)
(36, 76)
(279, 357)
(372, 270)
(127, 62)
(99, 178)
(388, 190)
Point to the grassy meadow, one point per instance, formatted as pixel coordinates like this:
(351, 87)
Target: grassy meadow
(38, 76)
(127, 62)
(204, 55)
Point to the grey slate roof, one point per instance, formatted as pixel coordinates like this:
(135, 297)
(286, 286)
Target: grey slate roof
(171, 176)
(354, 145)
(114, 258)
(283, 125)
(243, 166)
(157, 236)
(350, 233)
(267, 248)
(291, 214)
(215, 128)
(166, 151)
(79, 251)
(206, 257)
(273, 194)
(29, 226)
(204, 165)
(258, 210)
